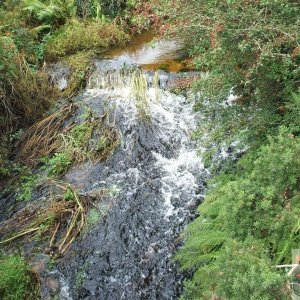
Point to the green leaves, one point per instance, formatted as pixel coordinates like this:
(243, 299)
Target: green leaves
(7, 54)
(58, 164)
(249, 217)
(52, 12)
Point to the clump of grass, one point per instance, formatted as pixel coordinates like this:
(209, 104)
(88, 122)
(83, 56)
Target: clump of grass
(42, 138)
(76, 141)
(58, 147)
(27, 185)
(25, 94)
(138, 92)
(78, 36)
(57, 164)
(60, 220)
(16, 280)
(93, 139)
(80, 64)
(93, 217)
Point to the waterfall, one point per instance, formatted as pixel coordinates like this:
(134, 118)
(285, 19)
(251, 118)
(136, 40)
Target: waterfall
(156, 180)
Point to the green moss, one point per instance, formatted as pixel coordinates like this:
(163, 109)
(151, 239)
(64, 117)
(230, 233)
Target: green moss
(93, 217)
(15, 279)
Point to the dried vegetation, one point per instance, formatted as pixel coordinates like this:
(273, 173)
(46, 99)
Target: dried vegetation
(59, 220)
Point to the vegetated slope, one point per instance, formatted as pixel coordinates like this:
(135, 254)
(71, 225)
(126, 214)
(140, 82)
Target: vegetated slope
(33, 35)
(250, 220)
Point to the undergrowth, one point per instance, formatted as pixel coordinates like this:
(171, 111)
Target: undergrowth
(248, 127)
(54, 224)
(17, 282)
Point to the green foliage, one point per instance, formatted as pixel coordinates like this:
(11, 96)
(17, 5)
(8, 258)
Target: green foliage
(27, 185)
(259, 201)
(57, 164)
(87, 140)
(239, 271)
(7, 54)
(8, 168)
(93, 217)
(51, 13)
(251, 49)
(95, 8)
(76, 142)
(33, 30)
(292, 117)
(249, 222)
(15, 279)
(74, 148)
(69, 194)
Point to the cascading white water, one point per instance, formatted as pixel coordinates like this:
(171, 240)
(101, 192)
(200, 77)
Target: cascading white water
(156, 180)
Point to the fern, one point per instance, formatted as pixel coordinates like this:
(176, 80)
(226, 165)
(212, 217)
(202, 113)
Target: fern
(248, 223)
(50, 13)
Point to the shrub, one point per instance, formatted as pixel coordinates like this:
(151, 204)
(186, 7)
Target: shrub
(240, 271)
(258, 200)
(93, 8)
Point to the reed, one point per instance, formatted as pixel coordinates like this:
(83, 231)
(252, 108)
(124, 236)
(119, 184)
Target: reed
(139, 88)
(42, 138)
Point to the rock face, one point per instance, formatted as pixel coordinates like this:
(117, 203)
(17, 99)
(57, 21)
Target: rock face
(155, 180)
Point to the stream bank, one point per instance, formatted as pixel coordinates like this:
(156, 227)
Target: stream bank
(153, 180)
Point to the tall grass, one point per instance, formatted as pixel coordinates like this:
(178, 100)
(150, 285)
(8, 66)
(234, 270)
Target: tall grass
(25, 94)
(139, 94)
(16, 280)
(78, 36)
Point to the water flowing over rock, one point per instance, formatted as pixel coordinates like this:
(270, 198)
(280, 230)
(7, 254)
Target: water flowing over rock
(155, 180)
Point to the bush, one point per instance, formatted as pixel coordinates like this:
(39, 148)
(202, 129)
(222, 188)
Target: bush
(256, 61)
(53, 12)
(259, 200)
(240, 271)
(93, 8)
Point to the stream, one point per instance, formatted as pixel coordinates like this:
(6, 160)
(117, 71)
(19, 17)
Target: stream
(154, 179)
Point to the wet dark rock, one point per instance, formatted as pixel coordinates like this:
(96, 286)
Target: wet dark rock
(128, 255)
